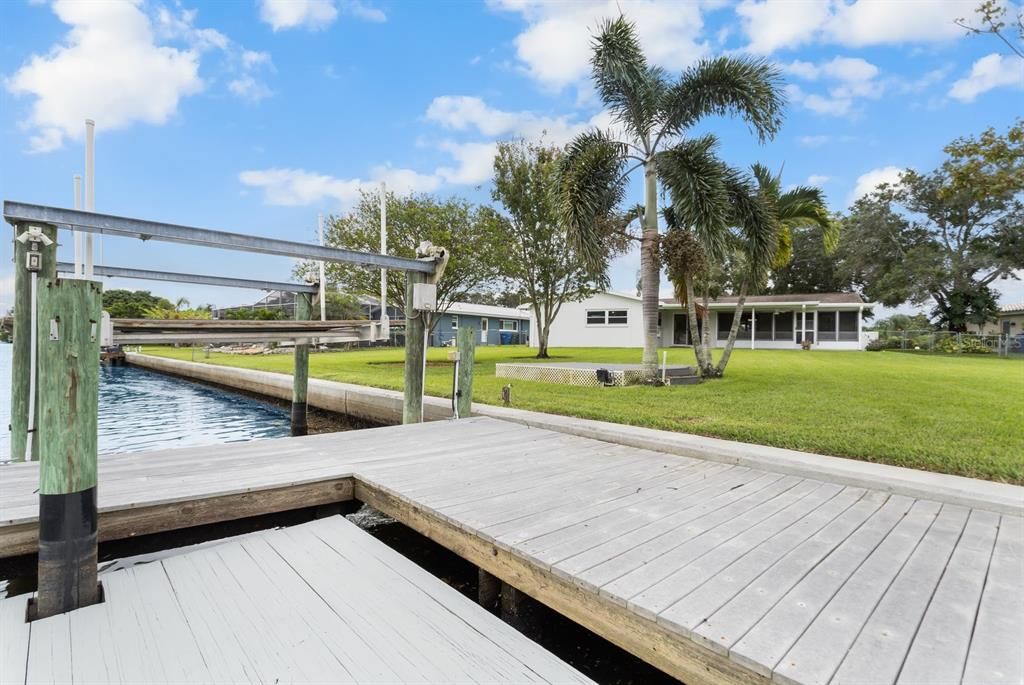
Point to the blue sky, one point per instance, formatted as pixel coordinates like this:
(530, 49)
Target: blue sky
(255, 116)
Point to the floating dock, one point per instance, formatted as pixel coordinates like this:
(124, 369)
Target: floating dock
(712, 572)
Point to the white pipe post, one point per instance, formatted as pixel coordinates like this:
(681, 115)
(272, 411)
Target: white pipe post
(664, 365)
(385, 324)
(323, 286)
(753, 327)
(90, 188)
(78, 234)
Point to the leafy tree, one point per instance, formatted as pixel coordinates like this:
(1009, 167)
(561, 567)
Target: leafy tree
(131, 304)
(258, 314)
(898, 323)
(343, 307)
(991, 19)
(505, 298)
(542, 262)
(164, 312)
(655, 112)
(945, 235)
(468, 231)
(810, 269)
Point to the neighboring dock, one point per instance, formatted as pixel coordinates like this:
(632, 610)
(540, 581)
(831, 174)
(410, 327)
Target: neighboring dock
(711, 572)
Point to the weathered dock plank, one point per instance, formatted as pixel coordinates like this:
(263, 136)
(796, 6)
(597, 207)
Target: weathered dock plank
(713, 572)
(270, 608)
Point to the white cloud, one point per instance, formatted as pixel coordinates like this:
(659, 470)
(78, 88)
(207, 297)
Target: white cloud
(818, 180)
(991, 71)
(867, 182)
(850, 78)
(314, 14)
(249, 89)
(242, 65)
(108, 67)
(299, 187)
(289, 14)
(475, 162)
(554, 49)
(467, 113)
(814, 141)
(772, 25)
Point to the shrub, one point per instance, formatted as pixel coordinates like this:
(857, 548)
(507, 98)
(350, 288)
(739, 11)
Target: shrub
(877, 345)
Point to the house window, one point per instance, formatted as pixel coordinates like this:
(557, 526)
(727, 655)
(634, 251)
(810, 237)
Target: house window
(784, 326)
(827, 326)
(455, 321)
(609, 317)
(848, 325)
(725, 320)
(509, 325)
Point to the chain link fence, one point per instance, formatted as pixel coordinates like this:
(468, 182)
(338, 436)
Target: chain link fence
(945, 342)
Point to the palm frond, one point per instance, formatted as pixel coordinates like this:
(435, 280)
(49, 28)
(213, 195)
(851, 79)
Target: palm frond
(804, 207)
(590, 187)
(627, 85)
(695, 179)
(740, 86)
(755, 214)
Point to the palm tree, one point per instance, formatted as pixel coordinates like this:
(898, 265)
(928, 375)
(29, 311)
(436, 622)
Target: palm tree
(698, 254)
(798, 208)
(655, 113)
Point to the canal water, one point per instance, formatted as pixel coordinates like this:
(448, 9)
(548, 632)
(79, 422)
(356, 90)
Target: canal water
(141, 410)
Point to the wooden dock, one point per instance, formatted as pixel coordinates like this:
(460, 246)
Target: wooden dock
(712, 572)
(320, 602)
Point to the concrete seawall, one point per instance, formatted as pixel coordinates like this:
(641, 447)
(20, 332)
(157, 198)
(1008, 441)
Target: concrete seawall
(385, 406)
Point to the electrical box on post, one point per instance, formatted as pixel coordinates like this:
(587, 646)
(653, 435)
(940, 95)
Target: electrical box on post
(424, 297)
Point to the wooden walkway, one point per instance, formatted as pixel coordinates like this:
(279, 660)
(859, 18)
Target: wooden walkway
(322, 602)
(711, 572)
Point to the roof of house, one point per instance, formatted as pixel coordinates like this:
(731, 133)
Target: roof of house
(810, 298)
(1015, 308)
(487, 310)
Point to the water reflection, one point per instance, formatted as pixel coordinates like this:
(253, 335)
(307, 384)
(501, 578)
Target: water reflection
(140, 410)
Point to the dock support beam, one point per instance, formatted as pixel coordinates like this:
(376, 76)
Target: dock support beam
(467, 355)
(68, 331)
(415, 352)
(519, 610)
(20, 364)
(300, 379)
(488, 590)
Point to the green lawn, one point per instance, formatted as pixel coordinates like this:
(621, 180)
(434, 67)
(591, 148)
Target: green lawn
(955, 414)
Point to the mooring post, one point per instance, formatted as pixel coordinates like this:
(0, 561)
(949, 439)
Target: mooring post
(68, 332)
(300, 379)
(467, 353)
(415, 352)
(21, 363)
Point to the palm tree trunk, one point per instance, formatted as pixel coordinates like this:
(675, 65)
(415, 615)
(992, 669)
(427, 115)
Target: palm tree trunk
(699, 352)
(650, 270)
(734, 331)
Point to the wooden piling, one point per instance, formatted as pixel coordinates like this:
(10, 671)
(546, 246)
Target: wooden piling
(20, 365)
(300, 379)
(467, 354)
(415, 352)
(488, 590)
(69, 314)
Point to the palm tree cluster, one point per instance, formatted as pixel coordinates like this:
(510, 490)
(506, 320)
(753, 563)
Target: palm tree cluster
(755, 239)
(729, 217)
(655, 113)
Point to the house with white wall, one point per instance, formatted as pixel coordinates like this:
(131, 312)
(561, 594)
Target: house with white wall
(830, 321)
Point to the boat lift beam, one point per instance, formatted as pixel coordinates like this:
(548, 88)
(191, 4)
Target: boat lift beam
(108, 224)
(148, 275)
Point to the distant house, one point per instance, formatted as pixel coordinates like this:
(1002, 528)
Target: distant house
(831, 321)
(493, 325)
(1009, 321)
